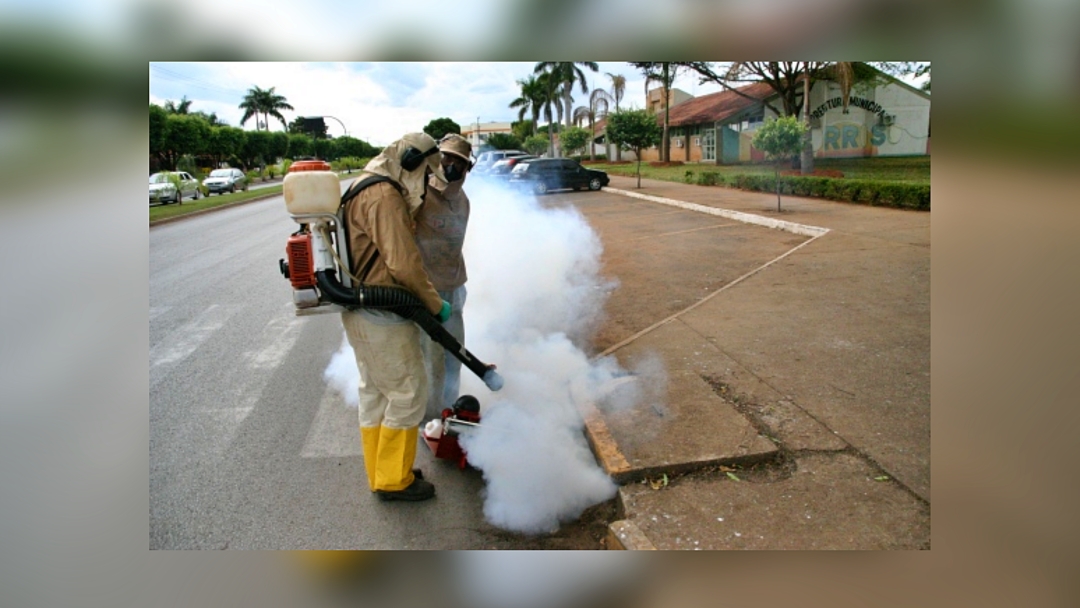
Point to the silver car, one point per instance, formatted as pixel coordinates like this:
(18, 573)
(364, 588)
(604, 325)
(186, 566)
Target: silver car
(221, 181)
(163, 190)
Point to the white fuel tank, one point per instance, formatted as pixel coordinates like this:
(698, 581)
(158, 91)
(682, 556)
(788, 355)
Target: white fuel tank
(310, 187)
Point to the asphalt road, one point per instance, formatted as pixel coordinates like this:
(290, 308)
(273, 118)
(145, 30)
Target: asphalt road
(249, 449)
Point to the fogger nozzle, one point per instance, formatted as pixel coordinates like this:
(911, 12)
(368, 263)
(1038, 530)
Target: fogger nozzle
(492, 379)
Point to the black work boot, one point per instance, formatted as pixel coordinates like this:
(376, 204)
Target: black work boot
(417, 490)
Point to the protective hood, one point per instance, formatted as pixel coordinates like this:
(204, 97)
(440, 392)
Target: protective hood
(388, 163)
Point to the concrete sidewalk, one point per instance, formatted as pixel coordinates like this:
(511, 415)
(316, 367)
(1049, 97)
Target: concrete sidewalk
(796, 413)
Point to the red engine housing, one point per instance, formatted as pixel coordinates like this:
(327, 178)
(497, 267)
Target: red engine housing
(446, 446)
(301, 264)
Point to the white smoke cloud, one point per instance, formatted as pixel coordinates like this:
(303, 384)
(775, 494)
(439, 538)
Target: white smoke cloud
(535, 294)
(342, 374)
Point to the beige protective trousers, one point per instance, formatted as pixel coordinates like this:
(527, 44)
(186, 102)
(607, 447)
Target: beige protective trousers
(393, 394)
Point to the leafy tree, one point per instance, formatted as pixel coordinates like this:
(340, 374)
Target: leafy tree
(523, 128)
(278, 146)
(257, 148)
(225, 142)
(536, 144)
(323, 148)
(636, 129)
(439, 127)
(159, 121)
(531, 101)
(314, 127)
(299, 145)
(266, 102)
(185, 134)
(780, 139)
(349, 146)
(574, 139)
(504, 141)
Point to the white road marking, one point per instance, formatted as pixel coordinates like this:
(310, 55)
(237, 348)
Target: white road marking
(335, 431)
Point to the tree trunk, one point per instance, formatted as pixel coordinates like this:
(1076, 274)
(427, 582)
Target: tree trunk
(776, 175)
(592, 140)
(807, 165)
(665, 150)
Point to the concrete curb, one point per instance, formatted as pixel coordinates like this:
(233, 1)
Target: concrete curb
(624, 535)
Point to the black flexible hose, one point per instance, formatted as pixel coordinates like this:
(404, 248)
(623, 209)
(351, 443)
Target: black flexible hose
(402, 302)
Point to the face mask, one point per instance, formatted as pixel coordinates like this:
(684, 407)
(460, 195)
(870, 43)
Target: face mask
(453, 174)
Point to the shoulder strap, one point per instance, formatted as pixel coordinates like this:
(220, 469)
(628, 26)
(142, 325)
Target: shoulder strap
(352, 192)
(364, 183)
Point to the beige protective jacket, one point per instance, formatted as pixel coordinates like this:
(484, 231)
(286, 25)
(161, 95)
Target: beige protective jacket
(440, 233)
(379, 219)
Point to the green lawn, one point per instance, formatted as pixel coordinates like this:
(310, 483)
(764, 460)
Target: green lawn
(905, 169)
(160, 212)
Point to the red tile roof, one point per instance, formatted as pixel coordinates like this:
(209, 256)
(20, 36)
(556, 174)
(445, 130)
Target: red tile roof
(715, 107)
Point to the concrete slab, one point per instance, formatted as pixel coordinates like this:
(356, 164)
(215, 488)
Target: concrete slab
(829, 501)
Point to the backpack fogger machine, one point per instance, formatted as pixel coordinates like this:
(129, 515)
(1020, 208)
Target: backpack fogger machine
(317, 255)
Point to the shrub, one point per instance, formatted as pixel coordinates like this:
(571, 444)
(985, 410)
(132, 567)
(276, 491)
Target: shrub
(869, 192)
(709, 178)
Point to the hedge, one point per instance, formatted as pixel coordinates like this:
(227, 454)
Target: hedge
(868, 192)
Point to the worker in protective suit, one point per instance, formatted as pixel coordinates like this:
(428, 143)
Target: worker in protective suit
(380, 223)
(440, 234)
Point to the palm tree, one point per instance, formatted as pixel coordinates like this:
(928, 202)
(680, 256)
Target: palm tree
(618, 89)
(265, 102)
(567, 73)
(182, 107)
(592, 112)
(550, 91)
(530, 100)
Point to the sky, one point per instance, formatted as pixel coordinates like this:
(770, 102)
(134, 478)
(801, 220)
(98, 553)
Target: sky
(376, 102)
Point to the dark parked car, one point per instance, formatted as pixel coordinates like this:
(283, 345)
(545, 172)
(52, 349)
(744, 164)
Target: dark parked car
(545, 174)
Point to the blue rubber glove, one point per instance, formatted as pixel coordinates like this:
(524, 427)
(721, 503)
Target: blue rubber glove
(444, 312)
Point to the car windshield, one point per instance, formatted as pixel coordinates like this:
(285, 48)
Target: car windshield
(159, 178)
(220, 173)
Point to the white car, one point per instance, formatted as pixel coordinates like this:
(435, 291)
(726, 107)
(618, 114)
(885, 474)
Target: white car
(163, 190)
(225, 180)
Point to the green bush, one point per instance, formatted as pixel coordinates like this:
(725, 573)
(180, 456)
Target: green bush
(868, 192)
(709, 178)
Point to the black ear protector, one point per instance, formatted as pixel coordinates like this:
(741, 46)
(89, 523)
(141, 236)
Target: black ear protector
(413, 158)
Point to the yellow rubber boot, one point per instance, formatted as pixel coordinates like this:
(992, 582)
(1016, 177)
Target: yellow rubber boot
(369, 438)
(396, 454)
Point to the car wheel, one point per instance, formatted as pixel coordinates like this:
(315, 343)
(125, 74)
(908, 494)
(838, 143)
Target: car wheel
(594, 183)
(232, 189)
(198, 194)
(541, 187)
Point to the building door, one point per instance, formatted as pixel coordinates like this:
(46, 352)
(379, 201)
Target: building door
(708, 145)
